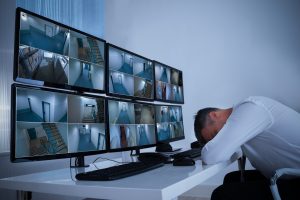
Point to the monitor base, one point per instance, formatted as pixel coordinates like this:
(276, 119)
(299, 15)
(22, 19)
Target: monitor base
(79, 162)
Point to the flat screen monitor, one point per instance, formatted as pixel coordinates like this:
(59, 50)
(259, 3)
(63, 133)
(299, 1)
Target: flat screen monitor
(131, 125)
(129, 75)
(169, 123)
(48, 53)
(48, 124)
(168, 84)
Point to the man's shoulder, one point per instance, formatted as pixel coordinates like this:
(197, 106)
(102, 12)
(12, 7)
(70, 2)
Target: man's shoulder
(258, 100)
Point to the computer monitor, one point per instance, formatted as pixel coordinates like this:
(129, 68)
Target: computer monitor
(129, 75)
(131, 125)
(50, 124)
(48, 53)
(169, 123)
(168, 84)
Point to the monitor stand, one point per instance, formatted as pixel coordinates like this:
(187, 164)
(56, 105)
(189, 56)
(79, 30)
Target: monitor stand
(137, 152)
(79, 162)
(163, 147)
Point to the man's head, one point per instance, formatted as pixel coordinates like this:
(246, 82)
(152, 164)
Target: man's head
(208, 122)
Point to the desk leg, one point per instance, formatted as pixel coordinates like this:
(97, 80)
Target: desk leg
(24, 195)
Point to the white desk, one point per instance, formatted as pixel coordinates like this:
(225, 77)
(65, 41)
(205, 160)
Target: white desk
(162, 183)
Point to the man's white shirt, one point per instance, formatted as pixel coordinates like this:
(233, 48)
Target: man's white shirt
(267, 131)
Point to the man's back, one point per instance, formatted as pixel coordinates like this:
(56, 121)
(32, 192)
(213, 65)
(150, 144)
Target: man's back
(278, 145)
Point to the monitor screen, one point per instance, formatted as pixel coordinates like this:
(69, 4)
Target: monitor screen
(169, 123)
(129, 75)
(48, 53)
(168, 84)
(48, 124)
(131, 125)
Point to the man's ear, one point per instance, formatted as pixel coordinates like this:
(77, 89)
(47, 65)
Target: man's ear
(213, 115)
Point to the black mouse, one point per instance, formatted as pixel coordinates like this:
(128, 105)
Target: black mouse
(183, 162)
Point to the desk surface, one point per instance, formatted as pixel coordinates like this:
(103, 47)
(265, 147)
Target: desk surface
(166, 182)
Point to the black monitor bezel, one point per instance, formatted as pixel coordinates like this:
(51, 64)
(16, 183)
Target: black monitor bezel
(108, 72)
(171, 139)
(172, 68)
(13, 157)
(50, 84)
(108, 129)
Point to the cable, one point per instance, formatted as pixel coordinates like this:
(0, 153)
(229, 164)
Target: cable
(93, 163)
(109, 160)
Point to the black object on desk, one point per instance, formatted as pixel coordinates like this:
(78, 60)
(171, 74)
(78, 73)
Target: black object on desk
(153, 156)
(191, 153)
(119, 171)
(183, 162)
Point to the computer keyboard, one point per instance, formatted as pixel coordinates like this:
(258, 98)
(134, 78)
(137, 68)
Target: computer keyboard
(119, 171)
(191, 153)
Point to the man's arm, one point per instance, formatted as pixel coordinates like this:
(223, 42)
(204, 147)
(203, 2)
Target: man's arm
(246, 121)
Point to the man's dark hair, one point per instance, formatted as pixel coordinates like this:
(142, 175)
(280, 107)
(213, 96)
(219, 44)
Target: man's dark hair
(201, 120)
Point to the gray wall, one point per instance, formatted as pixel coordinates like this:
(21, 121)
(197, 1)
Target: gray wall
(227, 50)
